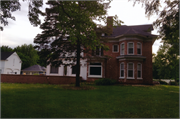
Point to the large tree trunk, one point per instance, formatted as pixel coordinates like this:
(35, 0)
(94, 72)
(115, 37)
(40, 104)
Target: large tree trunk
(78, 64)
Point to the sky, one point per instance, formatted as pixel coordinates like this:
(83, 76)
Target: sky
(21, 32)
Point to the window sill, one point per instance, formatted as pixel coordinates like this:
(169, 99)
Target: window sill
(93, 76)
(130, 78)
(140, 78)
(121, 77)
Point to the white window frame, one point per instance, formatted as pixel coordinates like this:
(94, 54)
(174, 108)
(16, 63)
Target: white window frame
(122, 53)
(140, 70)
(128, 70)
(128, 48)
(121, 69)
(117, 48)
(94, 76)
(140, 48)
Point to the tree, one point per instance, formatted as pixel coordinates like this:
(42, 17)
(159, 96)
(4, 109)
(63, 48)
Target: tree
(7, 7)
(27, 54)
(167, 24)
(74, 21)
(6, 49)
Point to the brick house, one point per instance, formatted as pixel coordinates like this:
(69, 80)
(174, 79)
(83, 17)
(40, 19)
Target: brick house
(130, 57)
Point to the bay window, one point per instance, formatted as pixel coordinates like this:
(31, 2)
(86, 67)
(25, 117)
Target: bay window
(139, 71)
(130, 48)
(122, 49)
(139, 48)
(122, 70)
(130, 71)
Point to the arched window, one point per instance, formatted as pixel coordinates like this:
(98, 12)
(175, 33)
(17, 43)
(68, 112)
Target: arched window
(122, 49)
(130, 70)
(139, 48)
(122, 70)
(139, 70)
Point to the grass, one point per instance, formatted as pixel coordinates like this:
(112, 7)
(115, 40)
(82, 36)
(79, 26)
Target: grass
(55, 101)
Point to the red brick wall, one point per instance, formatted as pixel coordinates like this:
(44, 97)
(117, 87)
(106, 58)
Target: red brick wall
(8, 78)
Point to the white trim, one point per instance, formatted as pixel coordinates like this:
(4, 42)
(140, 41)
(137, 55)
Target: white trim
(138, 70)
(140, 48)
(123, 69)
(128, 48)
(94, 76)
(128, 69)
(121, 48)
(117, 48)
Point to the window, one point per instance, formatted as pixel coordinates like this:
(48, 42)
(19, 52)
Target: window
(95, 70)
(139, 71)
(130, 70)
(115, 48)
(103, 34)
(74, 69)
(122, 70)
(122, 48)
(97, 52)
(54, 70)
(130, 48)
(139, 48)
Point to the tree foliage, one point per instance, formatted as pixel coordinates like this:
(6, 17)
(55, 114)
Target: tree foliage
(72, 20)
(6, 49)
(27, 54)
(9, 6)
(167, 24)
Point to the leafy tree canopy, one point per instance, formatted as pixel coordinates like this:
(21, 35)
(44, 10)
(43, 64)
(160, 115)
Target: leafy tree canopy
(28, 55)
(6, 49)
(72, 20)
(9, 6)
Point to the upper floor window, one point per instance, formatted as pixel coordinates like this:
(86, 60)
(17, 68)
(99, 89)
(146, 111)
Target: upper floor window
(115, 48)
(139, 71)
(97, 52)
(130, 71)
(122, 70)
(122, 49)
(131, 48)
(54, 69)
(139, 48)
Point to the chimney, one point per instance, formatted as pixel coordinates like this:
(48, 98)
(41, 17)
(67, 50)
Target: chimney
(110, 24)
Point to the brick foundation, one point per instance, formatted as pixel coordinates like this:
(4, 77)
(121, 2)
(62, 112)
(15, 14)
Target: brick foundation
(8, 78)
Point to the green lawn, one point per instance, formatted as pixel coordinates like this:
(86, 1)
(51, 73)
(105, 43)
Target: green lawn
(53, 101)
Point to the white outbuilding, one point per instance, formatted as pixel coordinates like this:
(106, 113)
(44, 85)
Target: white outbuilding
(10, 63)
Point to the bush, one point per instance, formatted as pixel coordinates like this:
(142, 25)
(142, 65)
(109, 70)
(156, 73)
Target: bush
(163, 82)
(105, 81)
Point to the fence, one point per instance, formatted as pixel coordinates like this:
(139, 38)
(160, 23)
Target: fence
(42, 79)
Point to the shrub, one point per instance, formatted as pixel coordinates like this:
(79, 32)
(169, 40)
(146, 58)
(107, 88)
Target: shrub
(163, 82)
(105, 81)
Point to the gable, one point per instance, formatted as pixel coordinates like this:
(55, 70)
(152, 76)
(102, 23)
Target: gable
(5, 55)
(15, 55)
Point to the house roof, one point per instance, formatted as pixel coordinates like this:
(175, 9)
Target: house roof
(143, 30)
(5, 55)
(35, 68)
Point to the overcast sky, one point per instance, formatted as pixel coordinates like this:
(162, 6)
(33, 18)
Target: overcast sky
(21, 32)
